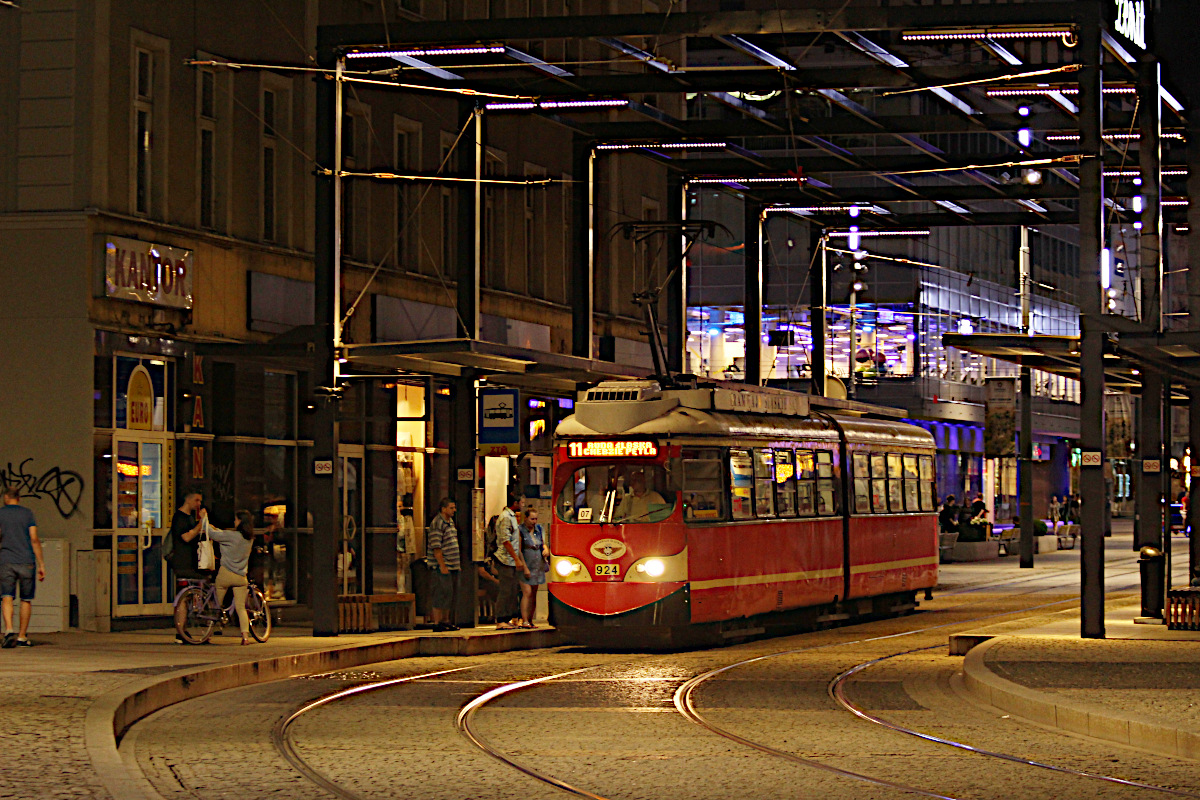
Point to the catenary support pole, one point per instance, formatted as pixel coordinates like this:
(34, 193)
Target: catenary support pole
(469, 264)
(325, 500)
(1091, 242)
(1025, 511)
(676, 316)
(818, 274)
(753, 296)
(1193, 291)
(583, 164)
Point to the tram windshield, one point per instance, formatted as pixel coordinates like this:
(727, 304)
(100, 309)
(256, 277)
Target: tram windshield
(614, 492)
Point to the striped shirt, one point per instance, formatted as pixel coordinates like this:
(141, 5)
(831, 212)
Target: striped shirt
(442, 536)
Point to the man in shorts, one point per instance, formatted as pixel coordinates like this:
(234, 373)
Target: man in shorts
(20, 557)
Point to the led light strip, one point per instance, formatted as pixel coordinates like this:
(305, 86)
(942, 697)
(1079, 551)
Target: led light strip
(1121, 137)
(824, 209)
(942, 36)
(784, 179)
(665, 146)
(433, 51)
(1134, 173)
(532, 105)
(846, 234)
(1036, 90)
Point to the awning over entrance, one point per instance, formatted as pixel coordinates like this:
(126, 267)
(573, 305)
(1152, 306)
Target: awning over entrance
(518, 366)
(1174, 355)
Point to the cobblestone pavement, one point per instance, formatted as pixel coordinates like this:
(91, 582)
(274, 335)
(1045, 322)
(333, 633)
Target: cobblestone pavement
(613, 730)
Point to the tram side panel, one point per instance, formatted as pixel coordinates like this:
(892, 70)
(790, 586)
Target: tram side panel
(744, 569)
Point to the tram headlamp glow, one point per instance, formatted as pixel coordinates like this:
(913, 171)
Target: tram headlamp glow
(654, 568)
(565, 567)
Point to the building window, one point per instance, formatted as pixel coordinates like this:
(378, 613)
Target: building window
(269, 188)
(403, 201)
(143, 129)
(495, 242)
(207, 177)
(447, 234)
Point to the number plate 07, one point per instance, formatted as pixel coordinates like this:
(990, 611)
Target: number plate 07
(608, 569)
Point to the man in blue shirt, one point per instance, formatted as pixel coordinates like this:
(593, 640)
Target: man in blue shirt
(20, 554)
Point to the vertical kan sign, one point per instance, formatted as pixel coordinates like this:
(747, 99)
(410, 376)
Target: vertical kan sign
(143, 272)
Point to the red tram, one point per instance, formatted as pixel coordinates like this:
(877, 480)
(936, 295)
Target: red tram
(705, 514)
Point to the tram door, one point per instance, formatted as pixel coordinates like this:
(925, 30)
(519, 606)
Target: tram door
(142, 490)
(352, 543)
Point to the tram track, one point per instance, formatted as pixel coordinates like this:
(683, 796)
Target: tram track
(683, 700)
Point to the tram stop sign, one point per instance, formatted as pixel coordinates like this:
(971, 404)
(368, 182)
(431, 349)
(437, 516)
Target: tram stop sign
(499, 422)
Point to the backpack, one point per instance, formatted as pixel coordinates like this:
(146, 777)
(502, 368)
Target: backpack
(168, 546)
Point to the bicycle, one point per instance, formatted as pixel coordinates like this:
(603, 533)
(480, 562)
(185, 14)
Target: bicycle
(197, 612)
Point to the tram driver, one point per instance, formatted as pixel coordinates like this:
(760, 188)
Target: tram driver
(639, 501)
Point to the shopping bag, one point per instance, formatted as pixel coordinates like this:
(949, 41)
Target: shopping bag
(207, 556)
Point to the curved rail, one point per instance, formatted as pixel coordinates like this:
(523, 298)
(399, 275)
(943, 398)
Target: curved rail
(837, 691)
(281, 734)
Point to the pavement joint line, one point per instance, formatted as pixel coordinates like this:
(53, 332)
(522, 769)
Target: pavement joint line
(1074, 717)
(113, 713)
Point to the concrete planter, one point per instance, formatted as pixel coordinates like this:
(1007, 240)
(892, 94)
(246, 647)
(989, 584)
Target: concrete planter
(1045, 544)
(975, 551)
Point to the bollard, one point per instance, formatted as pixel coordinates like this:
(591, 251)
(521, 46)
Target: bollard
(1152, 566)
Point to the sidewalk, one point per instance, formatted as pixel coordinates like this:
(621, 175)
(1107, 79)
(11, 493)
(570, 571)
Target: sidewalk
(1139, 686)
(68, 699)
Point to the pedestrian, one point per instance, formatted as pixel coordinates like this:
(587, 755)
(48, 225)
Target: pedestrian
(186, 525)
(948, 517)
(1054, 509)
(235, 560)
(535, 550)
(509, 563)
(1073, 506)
(444, 562)
(20, 558)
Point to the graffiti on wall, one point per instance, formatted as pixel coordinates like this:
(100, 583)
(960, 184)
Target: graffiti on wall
(62, 487)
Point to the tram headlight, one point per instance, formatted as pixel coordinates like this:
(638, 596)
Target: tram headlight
(655, 569)
(566, 569)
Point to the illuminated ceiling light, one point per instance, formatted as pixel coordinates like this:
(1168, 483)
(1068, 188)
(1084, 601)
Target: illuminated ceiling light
(1023, 111)
(1105, 269)
(1032, 176)
(843, 234)
(968, 34)
(530, 105)
(1024, 137)
(665, 146)
(470, 50)
(1138, 204)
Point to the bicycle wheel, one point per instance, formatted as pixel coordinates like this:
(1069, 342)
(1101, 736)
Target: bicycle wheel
(193, 622)
(259, 613)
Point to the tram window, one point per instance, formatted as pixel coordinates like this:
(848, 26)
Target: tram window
(827, 504)
(806, 483)
(927, 483)
(806, 465)
(824, 464)
(785, 483)
(619, 492)
(912, 480)
(895, 485)
(862, 484)
(878, 483)
(805, 506)
(703, 488)
(741, 483)
(764, 477)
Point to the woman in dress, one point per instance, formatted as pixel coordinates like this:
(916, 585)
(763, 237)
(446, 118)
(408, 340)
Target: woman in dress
(536, 552)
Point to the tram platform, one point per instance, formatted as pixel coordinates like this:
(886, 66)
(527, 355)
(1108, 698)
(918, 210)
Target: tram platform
(1139, 686)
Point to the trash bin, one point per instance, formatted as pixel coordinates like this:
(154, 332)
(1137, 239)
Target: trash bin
(1152, 566)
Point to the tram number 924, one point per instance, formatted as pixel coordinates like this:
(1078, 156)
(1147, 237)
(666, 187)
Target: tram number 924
(608, 569)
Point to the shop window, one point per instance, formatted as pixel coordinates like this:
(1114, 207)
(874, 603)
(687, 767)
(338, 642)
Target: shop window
(703, 488)
(895, 483)
(149, 380)
(764, 477)
(806, 483)
(279, 405)
(862, 483)
(928, 501)
(102, 470)
(785, 483)
(102, 397)
(878, 483)
(741, 484)
(827, 498)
